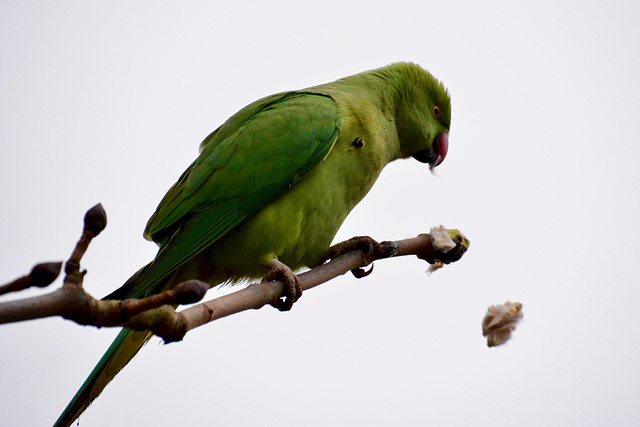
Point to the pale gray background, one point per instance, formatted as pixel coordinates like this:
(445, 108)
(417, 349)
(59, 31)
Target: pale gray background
(108, 103)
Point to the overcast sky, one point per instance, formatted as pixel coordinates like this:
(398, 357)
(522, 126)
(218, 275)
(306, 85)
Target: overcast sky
(108, 103)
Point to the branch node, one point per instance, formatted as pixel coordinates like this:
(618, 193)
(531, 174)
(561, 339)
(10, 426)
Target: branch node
(157, 314)
(190, 292)
(95, 220)
(42, 275)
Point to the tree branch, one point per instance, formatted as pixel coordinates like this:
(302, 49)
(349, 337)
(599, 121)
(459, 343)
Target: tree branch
(41, 275)
(72, 302)
(156, 313)
(174, 325)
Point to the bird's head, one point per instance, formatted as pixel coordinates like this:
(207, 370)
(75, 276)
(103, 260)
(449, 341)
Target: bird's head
(423, 118)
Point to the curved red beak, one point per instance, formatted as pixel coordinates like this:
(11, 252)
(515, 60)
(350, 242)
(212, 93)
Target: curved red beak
(440, 148)
(435, 154)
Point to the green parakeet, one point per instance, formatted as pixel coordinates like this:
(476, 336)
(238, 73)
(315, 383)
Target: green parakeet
(275, 182)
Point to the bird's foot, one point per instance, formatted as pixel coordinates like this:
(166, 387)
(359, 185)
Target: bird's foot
(292, 287)
(371, 250)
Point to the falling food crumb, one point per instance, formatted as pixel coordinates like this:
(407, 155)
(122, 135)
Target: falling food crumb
(434, 267)
(500, 321)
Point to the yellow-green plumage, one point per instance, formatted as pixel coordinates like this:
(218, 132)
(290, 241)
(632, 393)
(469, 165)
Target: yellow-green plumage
(276, 181)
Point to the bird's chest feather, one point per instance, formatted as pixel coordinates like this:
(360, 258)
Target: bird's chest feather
(299, 226)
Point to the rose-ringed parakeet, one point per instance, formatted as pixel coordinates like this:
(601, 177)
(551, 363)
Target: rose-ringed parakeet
(273, 184)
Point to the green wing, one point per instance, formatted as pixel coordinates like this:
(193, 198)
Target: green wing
(247, 162)
(244, 164)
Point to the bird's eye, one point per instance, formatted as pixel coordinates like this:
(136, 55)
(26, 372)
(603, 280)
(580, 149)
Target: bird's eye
(436, 111)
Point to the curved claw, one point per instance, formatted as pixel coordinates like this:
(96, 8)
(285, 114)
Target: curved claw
(369, 250)
(292, 287)
(359, 273)
(369, 247)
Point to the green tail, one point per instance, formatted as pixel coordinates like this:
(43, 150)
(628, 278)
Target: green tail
(121, 351)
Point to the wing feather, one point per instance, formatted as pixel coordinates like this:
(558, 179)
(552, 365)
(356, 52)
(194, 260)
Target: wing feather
(246, 163)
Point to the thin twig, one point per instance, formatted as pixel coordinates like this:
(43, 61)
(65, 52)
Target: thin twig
(156, 313)
(73, 303)
(41, 275)
(172, 326)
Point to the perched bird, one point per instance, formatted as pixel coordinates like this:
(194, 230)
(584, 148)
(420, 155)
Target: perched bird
(272, 186)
